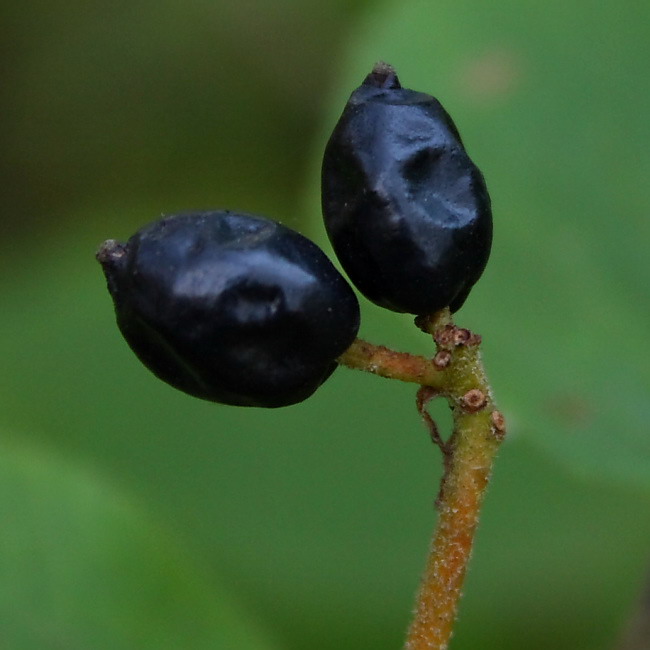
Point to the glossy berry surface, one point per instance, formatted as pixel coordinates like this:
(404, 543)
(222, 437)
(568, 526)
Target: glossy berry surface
(231, 308)
(406, 210)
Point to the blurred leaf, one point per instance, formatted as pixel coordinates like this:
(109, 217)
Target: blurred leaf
(81, 567)
(181, 105)
(636, 635)
(549, 105)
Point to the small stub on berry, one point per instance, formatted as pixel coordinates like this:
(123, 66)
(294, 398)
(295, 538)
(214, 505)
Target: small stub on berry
(110, 252)
(498, 425)
(382, 76)
(442, 359)
(474, 400)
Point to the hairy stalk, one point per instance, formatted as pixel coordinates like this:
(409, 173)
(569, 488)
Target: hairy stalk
(390, 364)
(457, 373)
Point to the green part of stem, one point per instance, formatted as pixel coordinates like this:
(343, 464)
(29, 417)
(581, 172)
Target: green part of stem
(469, 454)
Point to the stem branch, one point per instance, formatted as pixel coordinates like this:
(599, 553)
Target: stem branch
(457, 373)
(390, 364)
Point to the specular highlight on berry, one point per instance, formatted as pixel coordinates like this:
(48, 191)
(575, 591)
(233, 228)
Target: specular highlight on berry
(230, 307)
(405, 208)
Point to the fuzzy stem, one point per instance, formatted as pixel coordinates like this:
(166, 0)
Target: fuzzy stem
(471, 449)
(384, 362)
(469, 454)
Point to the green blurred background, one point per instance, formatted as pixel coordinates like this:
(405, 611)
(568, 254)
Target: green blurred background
(133, 516)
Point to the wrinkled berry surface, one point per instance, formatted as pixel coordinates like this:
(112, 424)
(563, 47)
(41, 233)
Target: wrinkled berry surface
(406, 210)
(231, 307)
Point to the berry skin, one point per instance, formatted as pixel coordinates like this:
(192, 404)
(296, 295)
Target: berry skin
(406, 210)
(231, 308)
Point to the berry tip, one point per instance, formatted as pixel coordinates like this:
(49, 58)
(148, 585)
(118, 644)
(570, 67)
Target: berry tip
(110, 252)
(383, 76)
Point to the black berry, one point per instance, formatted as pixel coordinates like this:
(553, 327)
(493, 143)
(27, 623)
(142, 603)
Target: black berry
(231, 308)
(406, 210)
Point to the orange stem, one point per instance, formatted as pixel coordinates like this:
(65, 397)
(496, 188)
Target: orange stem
(464, 485)
(456, 372)
(469, 455)
(390, 364)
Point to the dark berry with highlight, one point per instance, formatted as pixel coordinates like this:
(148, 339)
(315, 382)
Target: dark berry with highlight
(230, 307)
(406, 210)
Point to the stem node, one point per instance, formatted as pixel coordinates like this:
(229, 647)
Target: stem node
(456, 372)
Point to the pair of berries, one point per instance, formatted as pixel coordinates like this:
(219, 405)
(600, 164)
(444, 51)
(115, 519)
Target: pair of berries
(241, 310)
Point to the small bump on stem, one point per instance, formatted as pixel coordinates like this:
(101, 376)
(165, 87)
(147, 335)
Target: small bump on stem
(473, 400)
(445, 336)
(498, 425)
(461, 336)
(442, 359)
